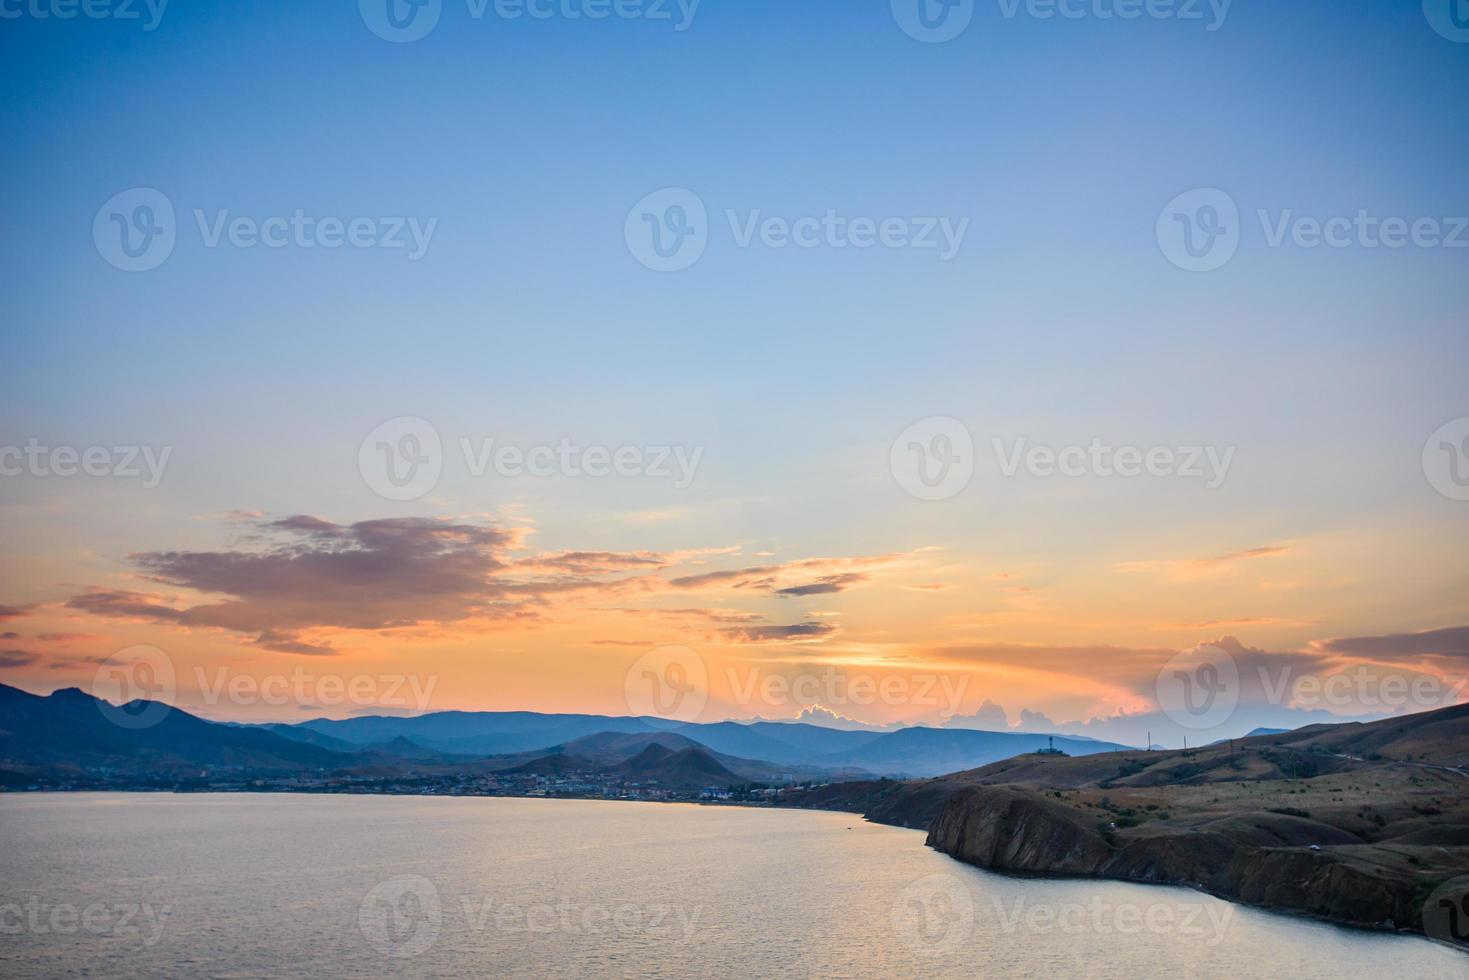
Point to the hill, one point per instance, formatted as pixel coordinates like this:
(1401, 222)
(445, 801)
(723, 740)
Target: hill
(72, 731)
(1356, 823)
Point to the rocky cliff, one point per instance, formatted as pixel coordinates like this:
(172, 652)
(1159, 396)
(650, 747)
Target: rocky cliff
(1020, 831)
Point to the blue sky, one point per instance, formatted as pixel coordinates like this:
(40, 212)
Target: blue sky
(528, 319)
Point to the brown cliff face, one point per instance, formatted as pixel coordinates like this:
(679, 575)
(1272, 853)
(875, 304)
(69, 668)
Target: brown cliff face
(1012, 830)
(1324, 885)
(1016, 830)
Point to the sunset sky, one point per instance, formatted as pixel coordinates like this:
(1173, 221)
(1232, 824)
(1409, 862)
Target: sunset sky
(786, 373)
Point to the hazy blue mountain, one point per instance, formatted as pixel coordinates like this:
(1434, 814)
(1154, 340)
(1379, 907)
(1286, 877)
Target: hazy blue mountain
(909, 751)
(476, 732)
(775, 741)
(505, 732)
(70, 728)
(936, 751)
(296, 733)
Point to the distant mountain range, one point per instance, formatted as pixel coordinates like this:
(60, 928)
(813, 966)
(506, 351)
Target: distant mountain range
(910, 752)
(71, 737)
(71, 732)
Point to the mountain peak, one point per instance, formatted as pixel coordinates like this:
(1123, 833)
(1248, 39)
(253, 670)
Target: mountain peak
(72, 695)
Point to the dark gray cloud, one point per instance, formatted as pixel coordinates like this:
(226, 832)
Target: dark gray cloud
(122, 604)
(310, 573)
(17, 658)
(597, 562)
(777, 634)
(1450, 643)
(826, 585)
(736, 578)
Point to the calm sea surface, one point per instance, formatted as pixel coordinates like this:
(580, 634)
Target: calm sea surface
(251, 886)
